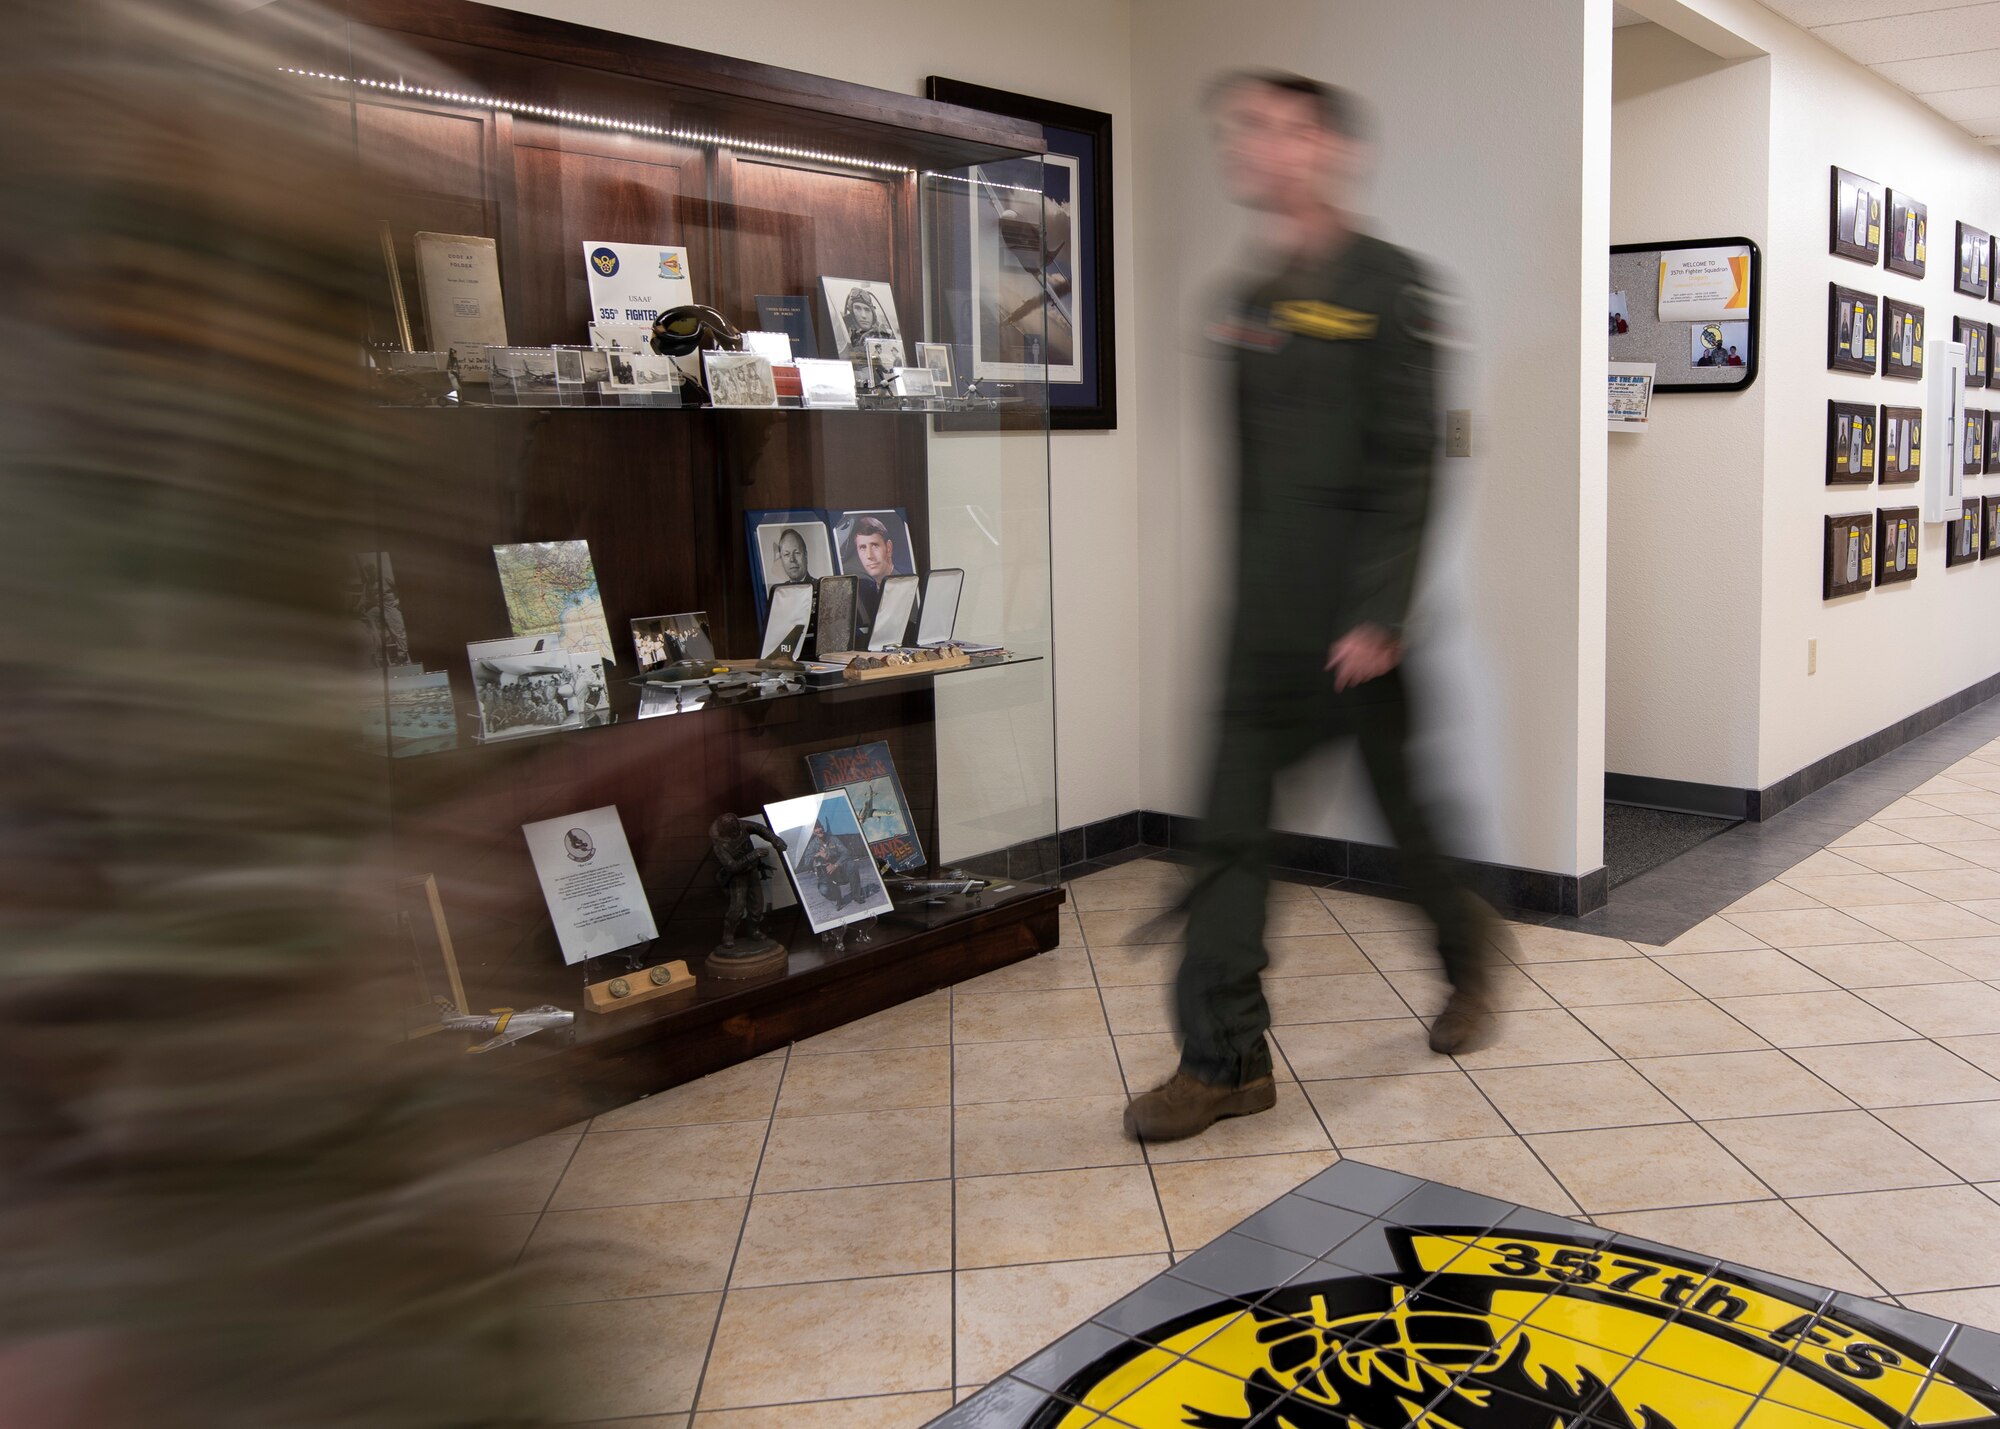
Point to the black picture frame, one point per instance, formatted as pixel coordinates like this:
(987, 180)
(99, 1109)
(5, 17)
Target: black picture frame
(1851, 534)
(1977, 337)
(1892, 425)
(1993, 443)
(1846, 218)
(1975, 459)
(1853, 320)
(1850, 443)
(1902, 327)
(1993, 288)
(1083, 135)
(1962, 535)
(1972, 261)
(1908, 230)
(1898, 532)
(1989, 527)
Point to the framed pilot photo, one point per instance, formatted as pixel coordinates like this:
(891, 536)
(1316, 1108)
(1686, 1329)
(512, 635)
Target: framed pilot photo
(1989, 527)
(1856, 220)
(1897, 530)
(1902, 443)
(1961, 534)
(1848, 560)
(1850, 444)
(1906, 244)
(1851, 319)
(1976, 337)
(1903, 352)
(1972, 275)
(1067, 276)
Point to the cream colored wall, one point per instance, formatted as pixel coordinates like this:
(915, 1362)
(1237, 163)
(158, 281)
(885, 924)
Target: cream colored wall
(1494, 162)
(1071, 51)
(1686, 557)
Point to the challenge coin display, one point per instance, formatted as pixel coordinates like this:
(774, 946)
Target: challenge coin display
(1989, 526)
(1902, 430)
(1850, 443)
(1849, 556)
(1976, 337)
(1857, 217)
(1896, 534)
(1962, 535)
(1973, 275)
(1850, 330)
(1908, 238)
(1903, 353)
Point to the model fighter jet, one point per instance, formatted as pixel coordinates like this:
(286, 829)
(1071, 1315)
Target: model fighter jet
(508, 1025)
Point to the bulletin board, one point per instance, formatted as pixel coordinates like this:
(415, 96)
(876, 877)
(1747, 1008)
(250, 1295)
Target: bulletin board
(1672, 345)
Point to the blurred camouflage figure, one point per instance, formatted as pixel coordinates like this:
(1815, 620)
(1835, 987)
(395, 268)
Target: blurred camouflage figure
(220, 1205)
(1336, 352)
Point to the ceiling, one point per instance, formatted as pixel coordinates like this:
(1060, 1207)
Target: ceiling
(1945, 52)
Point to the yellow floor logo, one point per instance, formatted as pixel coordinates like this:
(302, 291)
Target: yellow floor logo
(1523, 1332)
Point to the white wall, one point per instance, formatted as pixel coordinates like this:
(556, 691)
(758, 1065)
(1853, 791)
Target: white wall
(1074, 52)
(1503, 183)
(1686, 557)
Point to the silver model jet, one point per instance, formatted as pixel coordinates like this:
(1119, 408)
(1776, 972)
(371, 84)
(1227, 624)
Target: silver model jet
(508, 1025)
(935, 890)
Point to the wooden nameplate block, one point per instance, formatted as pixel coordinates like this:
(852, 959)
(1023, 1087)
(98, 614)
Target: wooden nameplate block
(618, 993)
(898, 664)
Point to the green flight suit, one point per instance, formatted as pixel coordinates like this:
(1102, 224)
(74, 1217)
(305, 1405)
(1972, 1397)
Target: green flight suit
(1336, 380)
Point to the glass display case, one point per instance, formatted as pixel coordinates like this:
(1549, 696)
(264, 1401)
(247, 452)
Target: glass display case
(546, 192)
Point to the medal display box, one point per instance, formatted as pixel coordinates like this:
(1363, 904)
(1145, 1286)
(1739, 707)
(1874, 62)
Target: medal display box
(546, 191)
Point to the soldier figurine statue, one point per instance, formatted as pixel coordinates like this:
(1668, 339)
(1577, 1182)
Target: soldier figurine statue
(739, 869)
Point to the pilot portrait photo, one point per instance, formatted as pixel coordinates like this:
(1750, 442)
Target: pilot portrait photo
(858, 309)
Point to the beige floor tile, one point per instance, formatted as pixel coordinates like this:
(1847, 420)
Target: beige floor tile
(921, 1022)
(1908, 922)
(1364, 913)
(1962, 1009)
(1602, 984)
(518, 1180)
(1744, 973)
(615, 1359)
(1147, 964)
(1829, 1153)
(1942, 784)
(1058, 967)
(1291, 1125)
(1315, 955)
(844, 1234)
(1535, 944)
(1508, 990)
(1854, 890)
(1058, 1215)
(817, 1153)
(896, 1411)
(1645, 1168)
(1531, 1039)
(1955, 884)
(1319, 1050)
(1384, 1111)
(1806, 927)
(1965, 1137)
(773, 1345)
(1070, 929)
(1300, 919)
(1103, 894)
(1010, 1312)
(1868, 835)
(1288, 888)
(1499, 1166)
(1905, 858)
(617, 1252)
(674, 1163)
(1938, 828)
(1766, 1235)
(1149, 1058)
(647, 1421)
(1985, 853)
(1130, 1011)
(744, 1092)
(1773, 897)
(1982, 1052)
(1978, 1308)
(1893, 1074)
(1026, 1016)
(1581, 1097)
(1860, 965)
(1937, 1238)
(1971, 802)
(1401, 950)
(1711, 935)
(1205, 1198)
(1909, 807)
(1813, 1019)
(1001, 1138)
(499, 1240)
(1740, 1084)
(1669, 1029)
(1340, 997)
(1059, 1067)
(866, 1081)
(1824, 864)
(1121, 926)
(1974, 957)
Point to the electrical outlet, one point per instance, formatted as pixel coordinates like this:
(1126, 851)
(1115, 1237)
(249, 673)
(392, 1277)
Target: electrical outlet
(1458, 432)
(1812, 657)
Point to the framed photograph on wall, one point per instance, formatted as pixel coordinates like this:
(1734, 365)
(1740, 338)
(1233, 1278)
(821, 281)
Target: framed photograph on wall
(1848, 560)
(1902, 431)
(1961, 535)
(1906, 245)
(1975, 336)
(1903, 352)
(1973, 273)
(1850, 444)
(1989, 527)
(1850, 330)
(1897, 530)
(1856, 220)
(1071, 274)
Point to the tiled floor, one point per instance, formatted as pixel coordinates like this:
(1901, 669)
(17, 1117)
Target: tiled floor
(860, 1229)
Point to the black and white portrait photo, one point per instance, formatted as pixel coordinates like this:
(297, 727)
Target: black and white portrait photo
(884, 355)
(662, 639)
(739, 379)
(787, 547)
(858, 309)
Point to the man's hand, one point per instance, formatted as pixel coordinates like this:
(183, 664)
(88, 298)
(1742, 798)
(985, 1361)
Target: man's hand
(1361, 655)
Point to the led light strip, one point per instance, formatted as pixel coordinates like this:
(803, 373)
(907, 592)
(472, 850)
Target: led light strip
(598, 121)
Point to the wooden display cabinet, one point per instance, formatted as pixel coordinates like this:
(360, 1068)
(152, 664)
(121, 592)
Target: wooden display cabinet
(542, 136)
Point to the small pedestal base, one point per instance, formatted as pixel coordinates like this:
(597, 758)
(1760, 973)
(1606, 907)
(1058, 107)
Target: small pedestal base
(750, 957)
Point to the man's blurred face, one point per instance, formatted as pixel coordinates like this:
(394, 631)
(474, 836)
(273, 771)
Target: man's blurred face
(877, 556)
(1275, 153)
(792, 555)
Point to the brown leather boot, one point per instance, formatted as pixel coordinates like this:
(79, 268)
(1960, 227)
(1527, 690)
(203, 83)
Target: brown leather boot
(1183, 1106)
(1465, 1024)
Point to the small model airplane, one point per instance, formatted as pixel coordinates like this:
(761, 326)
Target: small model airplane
(935, 890)
(508, 1025)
